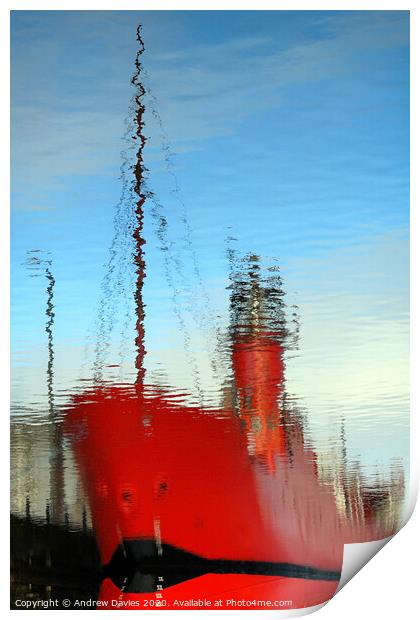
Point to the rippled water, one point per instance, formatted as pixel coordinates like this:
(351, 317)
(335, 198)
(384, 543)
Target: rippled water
(217, 364)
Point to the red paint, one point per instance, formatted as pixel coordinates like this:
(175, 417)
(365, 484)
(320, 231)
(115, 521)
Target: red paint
(259, 374)
(236, 483)
(209, 505)
(148, 458)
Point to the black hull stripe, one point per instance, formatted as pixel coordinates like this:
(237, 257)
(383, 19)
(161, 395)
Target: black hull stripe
(136, 564)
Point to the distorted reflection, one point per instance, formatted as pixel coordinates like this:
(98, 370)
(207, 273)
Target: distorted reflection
(162, 481)
(180, 492)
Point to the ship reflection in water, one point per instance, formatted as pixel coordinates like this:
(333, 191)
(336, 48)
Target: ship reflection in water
(184, 499)
(189, 501)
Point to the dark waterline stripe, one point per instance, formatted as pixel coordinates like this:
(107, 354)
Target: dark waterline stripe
(136, 564)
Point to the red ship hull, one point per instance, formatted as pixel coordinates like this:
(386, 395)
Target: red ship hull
(158, 469)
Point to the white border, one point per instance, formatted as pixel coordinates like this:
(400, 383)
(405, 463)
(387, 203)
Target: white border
(387, 585)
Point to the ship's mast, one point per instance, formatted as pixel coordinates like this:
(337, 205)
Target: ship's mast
(41, 265)
(139, 172)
